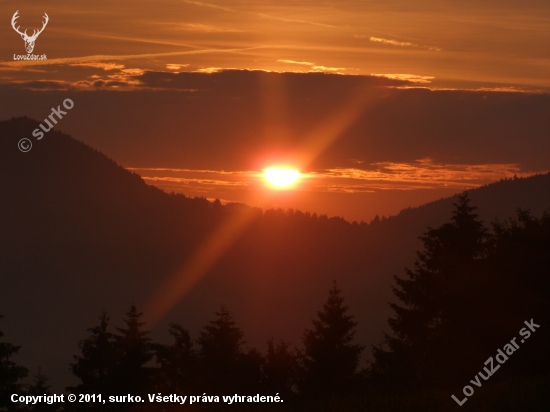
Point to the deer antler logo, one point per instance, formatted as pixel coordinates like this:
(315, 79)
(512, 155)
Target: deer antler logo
(29, 40)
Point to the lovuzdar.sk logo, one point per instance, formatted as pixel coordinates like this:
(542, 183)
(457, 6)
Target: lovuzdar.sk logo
(29, 40)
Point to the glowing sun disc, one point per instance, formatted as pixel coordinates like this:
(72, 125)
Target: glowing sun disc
(281, 177)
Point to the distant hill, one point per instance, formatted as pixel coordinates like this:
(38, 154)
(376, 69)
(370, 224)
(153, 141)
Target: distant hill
(79, 234)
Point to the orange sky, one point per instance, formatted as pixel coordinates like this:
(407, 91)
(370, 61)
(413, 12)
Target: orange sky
(485, 43)
(390, 185)
(365, 149)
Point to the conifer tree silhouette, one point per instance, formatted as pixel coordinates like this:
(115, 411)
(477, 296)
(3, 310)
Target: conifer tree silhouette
(134, 351)
(40, 387)
(114, 364)
(222, 361)
(178, 363)
(518, 269)
(434, 321)
(280, 369)
(330, 359)
(95, 367)
(10, 374)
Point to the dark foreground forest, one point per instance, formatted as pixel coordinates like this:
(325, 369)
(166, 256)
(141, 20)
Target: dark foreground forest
(471, 328)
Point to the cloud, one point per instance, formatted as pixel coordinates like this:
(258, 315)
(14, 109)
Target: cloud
(184, 180)
(210, 70)
(121, 79)
(506, 89)
(264, 15)
(208, 28)
(246, 82)
(392, 42)
(414, 78)
(43, 85)
(134, 39)
(296, 62)
(173, 66)
(97, 58)
(314, 67)
(287, 20)
(399, 43)
(327, 69)
(176, 170)
(99, 65)
(196, 181)
(421, 174)
(14, 68)
(209, 5)
(237, 82)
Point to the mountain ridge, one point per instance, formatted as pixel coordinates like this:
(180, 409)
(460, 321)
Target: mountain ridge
(80, 234)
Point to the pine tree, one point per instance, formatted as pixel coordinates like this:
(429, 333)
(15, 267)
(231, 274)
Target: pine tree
(40, 387)
(10, 374)
(96, 366)
(438, 315)
(280, 369)
(330, 360)
(177, 363)
(134, 353)
(221, 355)
(519, 264)
(113, 364)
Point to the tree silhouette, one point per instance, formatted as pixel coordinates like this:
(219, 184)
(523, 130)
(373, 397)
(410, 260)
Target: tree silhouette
(113, 364)
(177, 363)
(280, 369)
(223, 363)
(96, 366)
(40, 387)
(329, 361)
(438, 298)
(10, 374)
(135, 351)
(518, 269)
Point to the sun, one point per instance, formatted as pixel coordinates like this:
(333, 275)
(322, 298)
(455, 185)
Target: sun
(281, 177)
